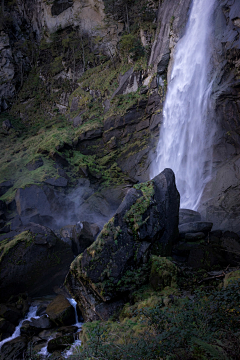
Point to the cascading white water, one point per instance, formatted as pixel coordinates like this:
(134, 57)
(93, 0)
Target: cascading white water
(74, 305)
(77, 342)
(67, 353)
(31, 314)
(185, 138)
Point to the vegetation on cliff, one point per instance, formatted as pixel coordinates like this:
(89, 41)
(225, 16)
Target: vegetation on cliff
(202, 326)
(67, 96)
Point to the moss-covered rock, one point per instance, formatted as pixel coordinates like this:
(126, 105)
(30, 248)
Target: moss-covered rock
(118, 261)
(232, 276)
(163, 273)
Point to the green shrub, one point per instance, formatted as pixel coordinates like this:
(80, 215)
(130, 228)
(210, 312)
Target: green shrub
(204, 327)
(131, 45)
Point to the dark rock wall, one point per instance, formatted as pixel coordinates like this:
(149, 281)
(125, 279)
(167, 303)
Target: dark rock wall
(220, 202)
(226, 87)
(133, 136)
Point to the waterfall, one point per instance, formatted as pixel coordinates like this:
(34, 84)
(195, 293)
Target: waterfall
(186, 133)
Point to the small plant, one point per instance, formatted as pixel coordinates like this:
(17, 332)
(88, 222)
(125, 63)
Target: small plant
(206, 328)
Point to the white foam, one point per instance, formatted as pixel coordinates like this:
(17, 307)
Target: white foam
(31, 314)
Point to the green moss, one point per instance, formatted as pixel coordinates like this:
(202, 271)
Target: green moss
(163, 273)
(26, 237)
(230, 277)
(134, 216)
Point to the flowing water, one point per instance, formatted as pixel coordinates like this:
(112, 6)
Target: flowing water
(31, 314)
(44, 351)
(186, 133)
(77, 342)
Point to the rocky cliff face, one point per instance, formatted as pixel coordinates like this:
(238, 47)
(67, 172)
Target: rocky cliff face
(25, 23)
(85, 83)
(82, 89)
(81, 76)
(220, 199)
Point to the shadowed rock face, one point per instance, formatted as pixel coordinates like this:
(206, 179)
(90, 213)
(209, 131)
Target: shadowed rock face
(60, 5)
(117, 262)
(32, 259)
(220, 200)
(173, 16)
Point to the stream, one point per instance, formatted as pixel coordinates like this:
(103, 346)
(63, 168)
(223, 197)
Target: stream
(44, 352)
(31, 314)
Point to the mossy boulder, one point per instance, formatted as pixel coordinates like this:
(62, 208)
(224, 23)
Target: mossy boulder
(163, 273)
(230, 277)
(117, 263)
(32, 259)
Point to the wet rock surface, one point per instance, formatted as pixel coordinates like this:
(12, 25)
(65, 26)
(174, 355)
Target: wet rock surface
(194, 236)
(36, 331)
(60, 311)
(60, 343)
(35, 326)
(6, 329)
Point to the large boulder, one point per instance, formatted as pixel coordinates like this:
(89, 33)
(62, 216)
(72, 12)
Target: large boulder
(60, 343)
(32, 259)
(195, 227)
(35, 326)
(60, 311)
(11, 313)
(187, 216)
(217, 249)
(118, 261)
